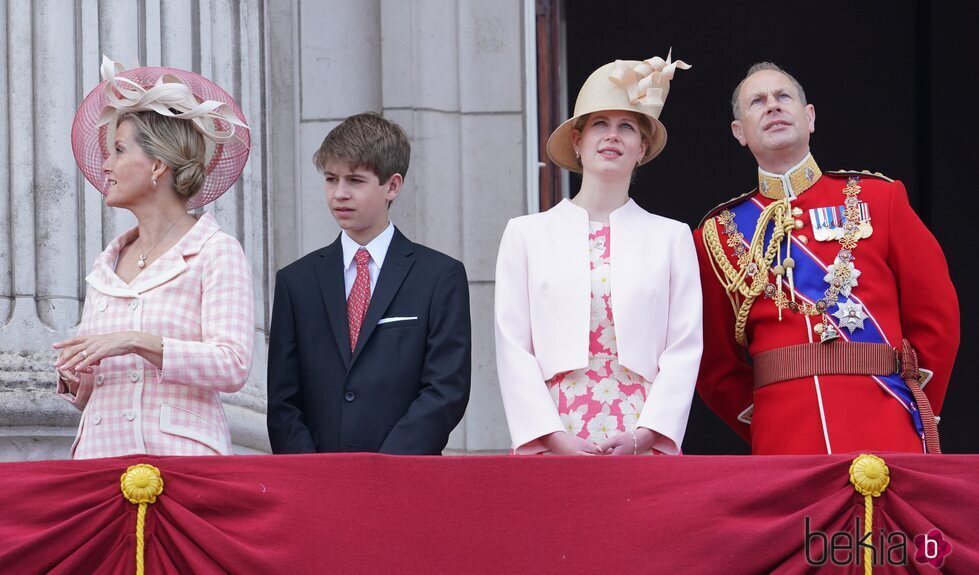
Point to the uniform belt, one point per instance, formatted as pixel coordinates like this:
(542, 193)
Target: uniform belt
(848, 358)
(836, 358)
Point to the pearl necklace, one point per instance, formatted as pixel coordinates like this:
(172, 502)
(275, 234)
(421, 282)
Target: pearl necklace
(141, 263)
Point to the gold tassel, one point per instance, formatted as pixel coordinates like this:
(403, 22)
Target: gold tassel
(870, 477)
(141, 484)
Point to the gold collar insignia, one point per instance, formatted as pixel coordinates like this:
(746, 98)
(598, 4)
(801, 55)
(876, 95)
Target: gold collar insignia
(792, 183)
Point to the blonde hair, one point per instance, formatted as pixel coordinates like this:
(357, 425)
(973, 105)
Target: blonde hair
(174, 142)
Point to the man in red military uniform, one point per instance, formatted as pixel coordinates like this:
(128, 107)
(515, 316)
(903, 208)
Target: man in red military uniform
(833, 287)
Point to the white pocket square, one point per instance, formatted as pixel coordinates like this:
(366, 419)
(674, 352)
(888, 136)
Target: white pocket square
(393, 319)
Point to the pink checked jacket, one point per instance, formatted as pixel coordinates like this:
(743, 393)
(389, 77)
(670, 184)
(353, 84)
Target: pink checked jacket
(198, 297)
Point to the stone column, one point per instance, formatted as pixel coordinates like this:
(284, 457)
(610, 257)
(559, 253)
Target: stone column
(493, 148)
(453, 77)
(54, 223)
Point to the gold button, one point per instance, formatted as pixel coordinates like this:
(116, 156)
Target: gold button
(803, 239)
(799, 224)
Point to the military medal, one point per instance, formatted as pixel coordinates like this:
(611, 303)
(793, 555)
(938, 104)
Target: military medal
(843, 275)
(851, 315)
(829, 223)
(826, 331)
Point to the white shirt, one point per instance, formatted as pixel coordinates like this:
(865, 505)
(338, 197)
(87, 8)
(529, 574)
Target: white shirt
(378, 248)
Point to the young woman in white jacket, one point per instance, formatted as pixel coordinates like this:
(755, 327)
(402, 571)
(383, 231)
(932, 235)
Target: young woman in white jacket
(598, 303)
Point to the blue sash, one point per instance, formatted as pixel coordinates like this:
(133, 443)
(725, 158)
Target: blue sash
(808, 280)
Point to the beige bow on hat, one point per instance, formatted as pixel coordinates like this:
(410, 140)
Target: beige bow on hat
(648, 82)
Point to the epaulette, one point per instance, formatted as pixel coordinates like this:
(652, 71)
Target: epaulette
(726, 204)
(859, 173)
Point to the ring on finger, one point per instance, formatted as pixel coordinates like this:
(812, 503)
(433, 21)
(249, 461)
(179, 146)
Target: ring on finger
(84, 354)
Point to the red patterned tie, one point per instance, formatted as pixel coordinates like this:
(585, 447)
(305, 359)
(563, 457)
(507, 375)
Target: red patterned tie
(360, 296)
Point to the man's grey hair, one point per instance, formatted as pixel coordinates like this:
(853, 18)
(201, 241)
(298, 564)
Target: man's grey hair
(761, 66)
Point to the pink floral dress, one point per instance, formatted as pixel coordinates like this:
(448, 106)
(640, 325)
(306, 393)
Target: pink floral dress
(604, 398)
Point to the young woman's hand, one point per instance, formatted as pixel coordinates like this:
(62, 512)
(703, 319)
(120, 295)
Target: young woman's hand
(563, 443)
(624, 444)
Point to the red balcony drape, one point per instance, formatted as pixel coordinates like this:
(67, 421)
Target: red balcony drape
(478, 514)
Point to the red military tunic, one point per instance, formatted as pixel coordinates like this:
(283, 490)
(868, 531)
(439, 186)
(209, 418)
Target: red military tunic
(904, 284)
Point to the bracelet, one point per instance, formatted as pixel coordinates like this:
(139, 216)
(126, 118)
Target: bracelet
(635, 443)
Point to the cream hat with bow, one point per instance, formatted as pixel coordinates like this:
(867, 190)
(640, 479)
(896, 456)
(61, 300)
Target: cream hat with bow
(626, 85)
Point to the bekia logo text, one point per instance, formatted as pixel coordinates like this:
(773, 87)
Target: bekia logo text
(848, 547)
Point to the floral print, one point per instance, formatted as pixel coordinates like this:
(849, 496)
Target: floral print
(573, 421)
(604, 398)
(573, 386)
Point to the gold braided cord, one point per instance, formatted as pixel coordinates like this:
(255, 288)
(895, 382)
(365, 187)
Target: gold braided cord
(713, 244)
(141, 484)
(868, 522)
(870, 477)
(140, 543)
(719, 259)
(735, 280)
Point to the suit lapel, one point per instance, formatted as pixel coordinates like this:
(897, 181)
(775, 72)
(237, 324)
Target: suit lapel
(173, 262)
(329, 272)
(397, 262)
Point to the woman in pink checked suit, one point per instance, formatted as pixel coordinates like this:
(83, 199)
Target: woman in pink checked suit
(168, 315)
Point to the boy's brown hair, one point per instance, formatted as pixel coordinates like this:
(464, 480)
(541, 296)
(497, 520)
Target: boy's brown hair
(366, 141)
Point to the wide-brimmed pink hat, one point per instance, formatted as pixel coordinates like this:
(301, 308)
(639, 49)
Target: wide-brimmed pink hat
(169, 92)
(626, 85)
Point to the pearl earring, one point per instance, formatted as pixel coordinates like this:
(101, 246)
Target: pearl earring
(154, 182)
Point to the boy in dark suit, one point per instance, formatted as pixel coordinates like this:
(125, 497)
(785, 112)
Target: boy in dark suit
(370, 344)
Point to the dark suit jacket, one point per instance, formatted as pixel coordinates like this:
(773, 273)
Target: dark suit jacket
(404, 387)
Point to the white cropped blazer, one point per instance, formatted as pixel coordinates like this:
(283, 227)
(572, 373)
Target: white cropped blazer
(543, 291)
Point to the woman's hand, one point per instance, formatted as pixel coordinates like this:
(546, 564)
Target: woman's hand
(624, 444)
(563, 443)
(70, 380)
(80, 354)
